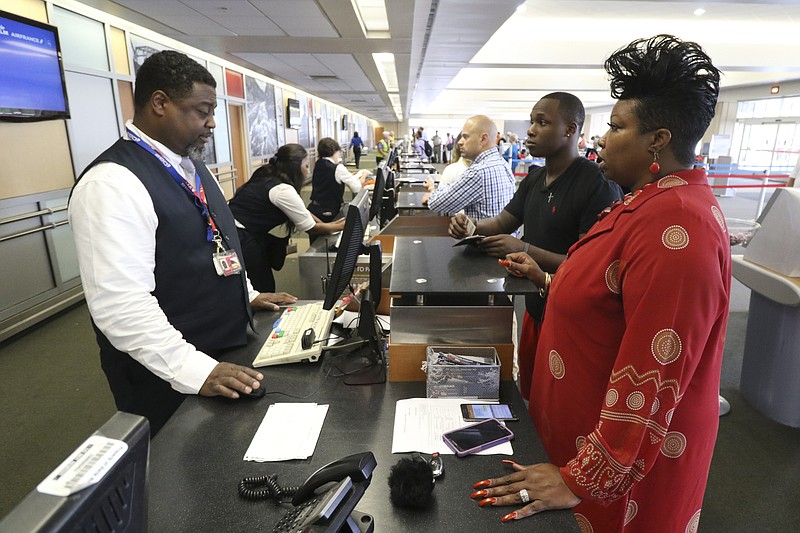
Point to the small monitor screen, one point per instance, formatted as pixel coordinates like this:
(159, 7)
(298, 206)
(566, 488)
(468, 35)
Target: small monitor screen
(293, 113)
(32, 85)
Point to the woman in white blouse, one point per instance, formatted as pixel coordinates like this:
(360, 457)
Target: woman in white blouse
(268, 208)
(329, 179)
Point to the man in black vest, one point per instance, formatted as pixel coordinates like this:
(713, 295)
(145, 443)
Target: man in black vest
(160, 259)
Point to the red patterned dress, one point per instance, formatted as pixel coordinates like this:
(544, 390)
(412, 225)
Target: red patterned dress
(626, 383)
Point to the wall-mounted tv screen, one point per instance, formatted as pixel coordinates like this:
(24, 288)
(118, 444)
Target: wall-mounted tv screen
(293, 113)
(32, 85)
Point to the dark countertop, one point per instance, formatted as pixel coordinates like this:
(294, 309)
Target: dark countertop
(196, 459)
(432, 265)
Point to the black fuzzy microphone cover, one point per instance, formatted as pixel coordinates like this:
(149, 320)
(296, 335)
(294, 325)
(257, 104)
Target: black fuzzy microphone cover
(411, 483)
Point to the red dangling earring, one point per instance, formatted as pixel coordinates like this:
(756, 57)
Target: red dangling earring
(655, 168)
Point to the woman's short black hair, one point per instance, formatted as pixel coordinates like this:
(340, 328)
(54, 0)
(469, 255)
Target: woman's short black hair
(326, 147)
(284, 165)
(674, 85)
(169, 71)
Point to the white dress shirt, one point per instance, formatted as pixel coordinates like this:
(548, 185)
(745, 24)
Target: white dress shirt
(114, 224)
(285, 197)
(345, 176)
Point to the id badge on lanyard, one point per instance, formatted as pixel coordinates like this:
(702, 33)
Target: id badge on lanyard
(226, 262)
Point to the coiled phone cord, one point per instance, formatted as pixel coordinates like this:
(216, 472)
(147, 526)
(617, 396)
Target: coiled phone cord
(264, 488)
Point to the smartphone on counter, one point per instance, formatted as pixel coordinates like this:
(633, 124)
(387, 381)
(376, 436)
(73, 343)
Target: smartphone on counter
(473, 412)
(476, 437)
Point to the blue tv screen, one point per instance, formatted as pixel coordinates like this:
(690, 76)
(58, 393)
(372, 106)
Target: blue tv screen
(32, 85)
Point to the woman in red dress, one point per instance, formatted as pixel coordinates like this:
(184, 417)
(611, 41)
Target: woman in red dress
(626, 383)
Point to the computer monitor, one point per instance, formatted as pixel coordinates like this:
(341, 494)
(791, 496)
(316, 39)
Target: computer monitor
(113, 465)
(377, 190)
(367, 364)
(349, 248)
(392, 157)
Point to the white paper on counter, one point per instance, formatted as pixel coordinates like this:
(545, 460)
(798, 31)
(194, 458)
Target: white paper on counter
(419, 424)
(288, 431)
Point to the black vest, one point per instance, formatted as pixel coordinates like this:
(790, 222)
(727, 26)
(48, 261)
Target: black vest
(325, 190)
(210, 311)
(251, 206)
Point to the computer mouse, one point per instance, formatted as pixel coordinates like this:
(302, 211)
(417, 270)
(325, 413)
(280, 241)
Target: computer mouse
(307, 340)
(255, 393)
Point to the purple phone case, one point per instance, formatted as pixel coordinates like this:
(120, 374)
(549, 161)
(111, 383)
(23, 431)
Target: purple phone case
(462, 453)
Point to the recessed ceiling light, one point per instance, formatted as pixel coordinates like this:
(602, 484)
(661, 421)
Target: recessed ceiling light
(699, 11)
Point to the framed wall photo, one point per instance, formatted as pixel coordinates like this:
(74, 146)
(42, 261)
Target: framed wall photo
(261, 117)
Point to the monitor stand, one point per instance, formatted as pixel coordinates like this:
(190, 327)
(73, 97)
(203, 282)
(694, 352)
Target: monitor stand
(367, 364)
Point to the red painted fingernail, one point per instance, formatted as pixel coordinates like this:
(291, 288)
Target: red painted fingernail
(479, 494)
(509, 516)
(486, 501)
(482, 484)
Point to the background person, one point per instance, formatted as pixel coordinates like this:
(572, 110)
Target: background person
(382, 150)
(452, 171)
(626, 385)
(147, 217)
(356, 144)
(436, 141)
(419, 144)
(556, 205)
(486, 186)
(268, 207)
(329, 179)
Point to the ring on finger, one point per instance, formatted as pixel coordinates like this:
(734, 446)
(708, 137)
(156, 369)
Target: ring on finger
(524, 496)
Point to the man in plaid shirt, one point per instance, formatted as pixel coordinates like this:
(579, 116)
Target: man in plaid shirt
(486, 187)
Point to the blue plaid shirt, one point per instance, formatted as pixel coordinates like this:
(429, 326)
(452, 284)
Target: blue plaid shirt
(482, 191)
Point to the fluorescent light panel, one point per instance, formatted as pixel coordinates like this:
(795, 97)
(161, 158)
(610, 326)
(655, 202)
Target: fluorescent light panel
(371, 15)
(387, 70)
(398, 109)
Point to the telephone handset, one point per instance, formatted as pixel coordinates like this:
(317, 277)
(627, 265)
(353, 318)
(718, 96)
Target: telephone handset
(326, 501)
(359, 467)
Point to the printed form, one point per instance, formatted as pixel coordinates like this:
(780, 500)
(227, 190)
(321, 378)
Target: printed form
(419, 424)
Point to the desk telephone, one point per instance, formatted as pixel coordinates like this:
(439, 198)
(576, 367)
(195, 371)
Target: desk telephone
(326, 501)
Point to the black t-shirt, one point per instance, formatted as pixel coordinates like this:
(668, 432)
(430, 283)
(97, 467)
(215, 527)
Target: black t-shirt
(553, 217)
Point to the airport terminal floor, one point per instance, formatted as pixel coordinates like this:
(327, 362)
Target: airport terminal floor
(56, 395)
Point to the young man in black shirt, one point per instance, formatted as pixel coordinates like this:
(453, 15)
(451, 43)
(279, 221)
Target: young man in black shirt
(556, 205)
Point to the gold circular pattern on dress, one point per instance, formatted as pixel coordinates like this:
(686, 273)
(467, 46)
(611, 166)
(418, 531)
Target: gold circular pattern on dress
(583, 523)
(556, 365)
(635, 401)
(668, 182)
(580, 442)
(611, 397)
(654, 408)
(630, 511)
(612, 277)
(674, 444)
(719, 217)
(666, 346)
(694, 522)
(675, 238)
